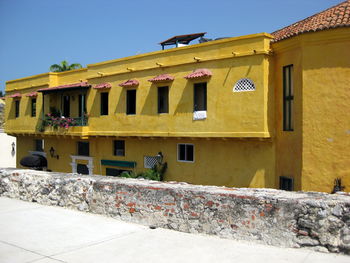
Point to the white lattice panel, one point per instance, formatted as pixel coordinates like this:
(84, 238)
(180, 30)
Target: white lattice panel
(244, 85)
(150, 161)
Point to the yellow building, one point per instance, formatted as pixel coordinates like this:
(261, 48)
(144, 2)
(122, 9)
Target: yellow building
(262, 110)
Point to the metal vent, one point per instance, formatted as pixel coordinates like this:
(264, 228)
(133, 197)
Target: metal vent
(151, 161)
(244, 85)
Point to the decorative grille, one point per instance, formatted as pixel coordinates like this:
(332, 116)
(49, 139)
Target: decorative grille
(244, 85)
(150, 161)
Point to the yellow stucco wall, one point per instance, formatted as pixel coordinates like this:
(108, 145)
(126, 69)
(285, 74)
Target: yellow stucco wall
(326, 108)
(242, 142)
(288, 143)
(224, 109)
(228, 59)
(317, 151)
(216, 162)
(25, 122)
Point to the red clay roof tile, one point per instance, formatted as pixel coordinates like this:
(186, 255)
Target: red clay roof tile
(129, 83)
(32, 94)
(199, 73)
(162, 78)
(103, 86)
(336, 16)
(16, 95)
(68, 86)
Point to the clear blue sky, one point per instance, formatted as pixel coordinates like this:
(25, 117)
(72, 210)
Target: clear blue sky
(38, 33)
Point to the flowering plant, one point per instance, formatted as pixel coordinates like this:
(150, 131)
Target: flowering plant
(62, 122)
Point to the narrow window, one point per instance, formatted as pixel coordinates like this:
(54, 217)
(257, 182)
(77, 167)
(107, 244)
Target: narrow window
(39, 145)
(66, 106)
(33, 107)
(119, 148)
(104, 103)
(17, 108)
(200, 96)
(185, 152)
(81, 105)
(288, 98)
(163, 99)
(131, 102)
(286, 183)
(83, 148)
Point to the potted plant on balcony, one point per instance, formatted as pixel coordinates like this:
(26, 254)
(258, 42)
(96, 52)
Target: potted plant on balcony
(55, 120)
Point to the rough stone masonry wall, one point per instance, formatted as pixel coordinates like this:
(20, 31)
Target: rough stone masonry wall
(291, 219)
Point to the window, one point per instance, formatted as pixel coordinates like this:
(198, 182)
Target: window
(185, 152)
(163, 99)
(104, 103)
(81, 105)
(17, 108)
(244, 85)
(66, 106)
(39, 145)
(82, 169)
(114, 172)
(33, 107)
(83, 148)
(200, 97)
(131, 102)
(119, 148)
(286, 183)
(288, 98)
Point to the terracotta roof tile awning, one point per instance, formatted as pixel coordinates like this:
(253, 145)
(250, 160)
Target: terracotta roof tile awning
(32, 94)
(66, 87)
(103, 86)
(162, 78)
(199, 73)
(336, 16)
(16, 95)
(129, 83)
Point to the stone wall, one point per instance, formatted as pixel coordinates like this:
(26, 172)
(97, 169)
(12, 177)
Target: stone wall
(291, 219)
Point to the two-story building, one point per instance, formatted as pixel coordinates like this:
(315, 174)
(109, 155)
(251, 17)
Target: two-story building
(262, 110)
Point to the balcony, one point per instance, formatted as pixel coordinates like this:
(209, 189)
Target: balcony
(62, 122)
(64, 109)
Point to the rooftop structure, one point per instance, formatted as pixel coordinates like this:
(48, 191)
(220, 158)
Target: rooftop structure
(181, 39)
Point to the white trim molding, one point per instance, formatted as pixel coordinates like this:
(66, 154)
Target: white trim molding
(90, 165)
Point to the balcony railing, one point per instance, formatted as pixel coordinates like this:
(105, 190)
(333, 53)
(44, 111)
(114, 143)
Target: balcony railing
(80, 121)
(62, 122)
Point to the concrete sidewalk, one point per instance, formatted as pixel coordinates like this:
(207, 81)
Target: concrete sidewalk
(30, 232)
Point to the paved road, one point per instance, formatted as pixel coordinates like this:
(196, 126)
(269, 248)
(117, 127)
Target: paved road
(30, 232)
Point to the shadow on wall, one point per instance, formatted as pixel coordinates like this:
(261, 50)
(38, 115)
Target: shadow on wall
(11, 109)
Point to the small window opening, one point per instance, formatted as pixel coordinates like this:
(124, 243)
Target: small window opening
(185, 152)
(286, 183)
(17, 108)
(104, 103)
(200, 96)
(131, 102)
(33, 102)
(119, 148)
(83, 148)
(163, 99)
